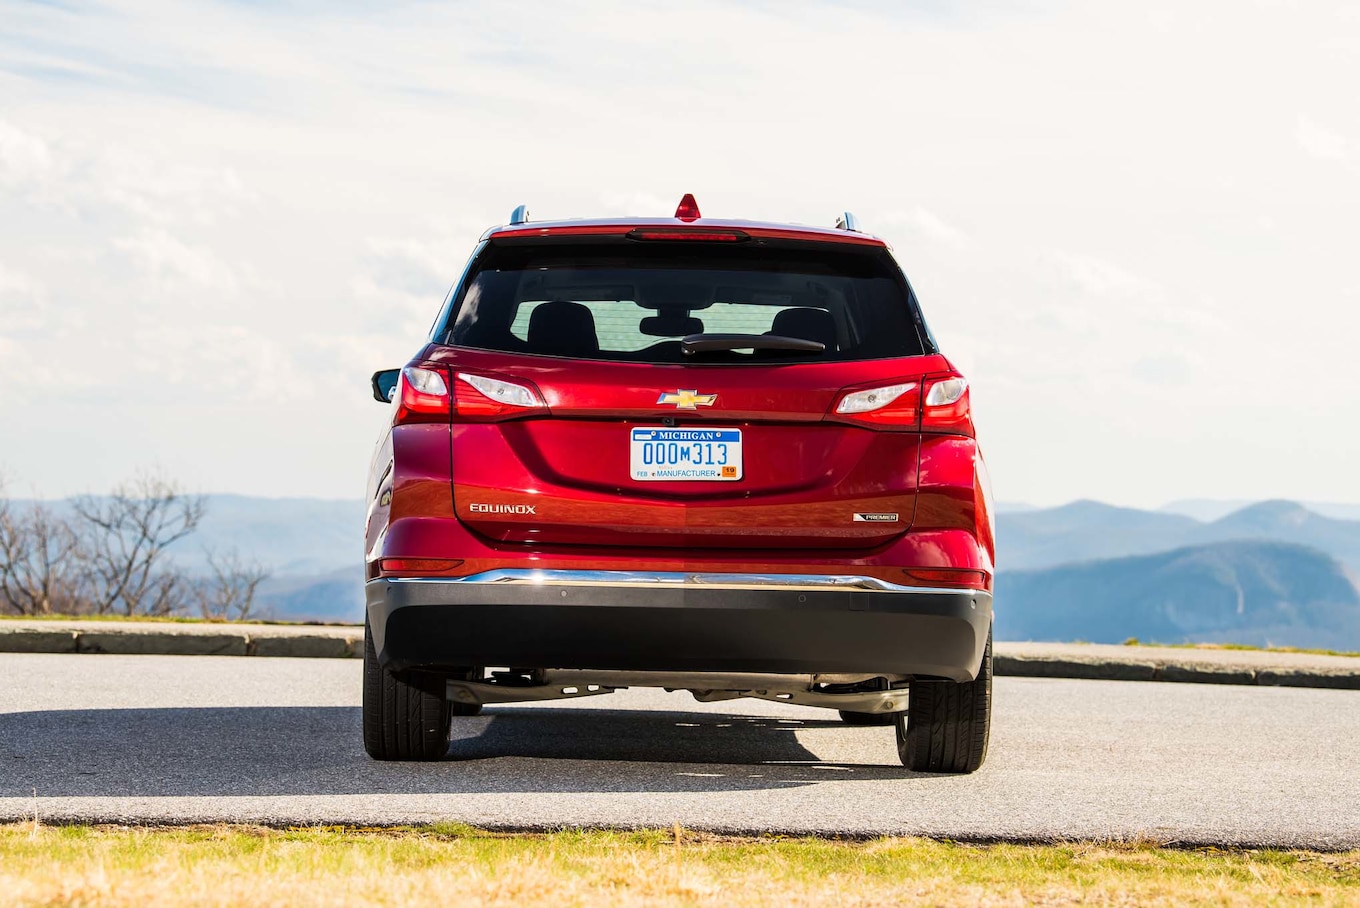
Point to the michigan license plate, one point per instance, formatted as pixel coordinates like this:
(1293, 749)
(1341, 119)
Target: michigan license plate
(660, 454)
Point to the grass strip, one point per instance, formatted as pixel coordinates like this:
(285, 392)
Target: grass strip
(176, 619)
(456, 865)
(1243, 647)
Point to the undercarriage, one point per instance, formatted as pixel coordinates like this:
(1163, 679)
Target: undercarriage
(852, 692)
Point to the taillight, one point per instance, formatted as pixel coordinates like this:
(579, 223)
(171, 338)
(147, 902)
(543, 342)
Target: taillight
(483, 398)
(936, 403)
(946, 406)
(422, 396)
(896, 405)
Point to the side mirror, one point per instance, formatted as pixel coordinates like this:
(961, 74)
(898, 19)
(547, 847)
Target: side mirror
(384, 384)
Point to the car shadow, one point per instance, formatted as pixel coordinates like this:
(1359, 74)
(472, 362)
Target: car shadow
(272, 751)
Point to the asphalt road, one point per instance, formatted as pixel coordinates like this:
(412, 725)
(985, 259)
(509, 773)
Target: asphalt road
(200, 739)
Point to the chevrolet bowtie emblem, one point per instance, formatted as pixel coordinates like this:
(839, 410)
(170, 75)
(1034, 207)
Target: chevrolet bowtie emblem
(687, 400)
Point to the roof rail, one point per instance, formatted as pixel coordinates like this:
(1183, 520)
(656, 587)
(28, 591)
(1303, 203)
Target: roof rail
(848, 221)
(520, 215)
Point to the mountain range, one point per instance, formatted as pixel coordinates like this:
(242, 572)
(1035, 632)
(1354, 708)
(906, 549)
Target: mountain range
(1270, 572)
(1087, 530)
(1252, 592)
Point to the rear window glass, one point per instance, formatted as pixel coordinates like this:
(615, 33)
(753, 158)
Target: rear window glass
(636, 303)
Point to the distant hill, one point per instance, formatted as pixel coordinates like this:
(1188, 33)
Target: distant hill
(334, 596)
(1088, 530)
(1252, 592)
(1210, 509)
(1082, 531)
(1204, 509)
(286, 535)
(1288, 521)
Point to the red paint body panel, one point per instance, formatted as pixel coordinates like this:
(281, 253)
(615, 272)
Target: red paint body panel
(807, 470)
(805, 475)
(585, 524)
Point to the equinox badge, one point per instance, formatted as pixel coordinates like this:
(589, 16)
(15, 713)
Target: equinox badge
(687, 400)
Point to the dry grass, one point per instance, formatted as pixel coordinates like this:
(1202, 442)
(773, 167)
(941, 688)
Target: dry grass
(1246, 647)
(447, 865)
(174, 619)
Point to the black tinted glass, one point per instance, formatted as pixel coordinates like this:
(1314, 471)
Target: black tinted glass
(635, 302)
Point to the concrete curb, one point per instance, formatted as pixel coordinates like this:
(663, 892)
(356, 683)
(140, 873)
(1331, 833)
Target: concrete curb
(1029, 660)
(137, 638)
(1104, 662)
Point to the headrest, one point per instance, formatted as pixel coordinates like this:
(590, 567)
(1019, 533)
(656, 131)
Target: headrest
(806, 323)
(563, 328)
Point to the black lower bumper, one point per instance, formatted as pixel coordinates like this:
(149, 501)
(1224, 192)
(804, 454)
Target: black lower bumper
(450, 625)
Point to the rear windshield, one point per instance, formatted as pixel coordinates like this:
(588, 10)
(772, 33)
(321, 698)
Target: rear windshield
(635, 302)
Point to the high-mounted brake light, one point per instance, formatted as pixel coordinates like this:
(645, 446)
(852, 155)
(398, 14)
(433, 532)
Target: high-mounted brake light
(422, 396)
(688, 210)
(481, 397)
(692, 235)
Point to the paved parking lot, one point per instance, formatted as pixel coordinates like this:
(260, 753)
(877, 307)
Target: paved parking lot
(201, 738)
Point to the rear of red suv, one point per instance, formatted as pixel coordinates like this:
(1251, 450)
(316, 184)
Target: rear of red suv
(715, 456)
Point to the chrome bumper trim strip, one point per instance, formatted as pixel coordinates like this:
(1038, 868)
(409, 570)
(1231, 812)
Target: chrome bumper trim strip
(681, 579)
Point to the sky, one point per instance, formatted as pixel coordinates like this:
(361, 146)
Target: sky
(1133, 225)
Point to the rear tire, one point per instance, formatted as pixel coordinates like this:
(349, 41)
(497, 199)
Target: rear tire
(850, 717)
(947, 724)
(406, 714)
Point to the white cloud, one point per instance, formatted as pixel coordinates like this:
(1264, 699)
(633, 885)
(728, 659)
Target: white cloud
(637, 204)
(1321, 142)
(91, 177)
(21, 302)
(417, 264)
(227, 362)
(295, 186)
(167, 258)
(156, 190)
(25, 160)
(926, 225)
(1096, 277)
(16, 282)
(23, 156)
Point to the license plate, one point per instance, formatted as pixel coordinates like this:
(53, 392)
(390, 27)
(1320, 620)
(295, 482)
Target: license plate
(657, 454)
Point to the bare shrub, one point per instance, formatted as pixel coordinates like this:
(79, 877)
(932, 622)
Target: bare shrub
(228, 593)
(42, 568)
(110, 557)
(125, 535)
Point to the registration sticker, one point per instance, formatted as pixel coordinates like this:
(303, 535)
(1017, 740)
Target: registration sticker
(659, 454)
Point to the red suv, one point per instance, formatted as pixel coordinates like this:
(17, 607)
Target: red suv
(717, 456)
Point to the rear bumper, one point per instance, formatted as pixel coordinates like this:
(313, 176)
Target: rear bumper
(677, 622)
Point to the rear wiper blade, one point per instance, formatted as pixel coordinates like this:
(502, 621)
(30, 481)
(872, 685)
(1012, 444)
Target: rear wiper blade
(703, 343)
